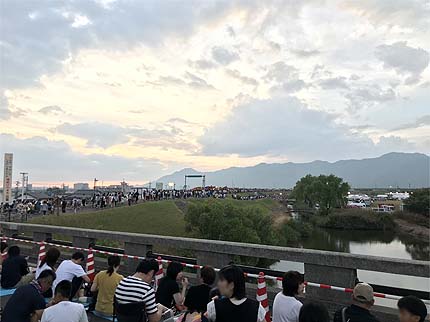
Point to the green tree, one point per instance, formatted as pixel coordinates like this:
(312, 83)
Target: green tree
(419, 202)
(327, 191)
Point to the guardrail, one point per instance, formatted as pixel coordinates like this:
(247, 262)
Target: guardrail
(320, 267)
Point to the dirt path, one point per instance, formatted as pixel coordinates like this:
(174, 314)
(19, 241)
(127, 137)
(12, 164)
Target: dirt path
(419, 232)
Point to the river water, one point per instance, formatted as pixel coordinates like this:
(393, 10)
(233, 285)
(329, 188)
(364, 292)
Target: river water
(376, 243)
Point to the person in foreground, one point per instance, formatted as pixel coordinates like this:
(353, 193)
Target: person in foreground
(49, 263)
(72, 271)
(411, 309)
(27, 303)
(234, 306)
(15, 269)
(62, 309)
(105, 283)
(168, 292)
(358, 311)
(313, 312)
(286, 307)
(137, 288)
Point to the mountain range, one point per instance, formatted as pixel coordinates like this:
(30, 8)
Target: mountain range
(389, 170)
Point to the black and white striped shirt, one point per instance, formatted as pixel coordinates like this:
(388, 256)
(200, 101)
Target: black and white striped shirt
(132, 289)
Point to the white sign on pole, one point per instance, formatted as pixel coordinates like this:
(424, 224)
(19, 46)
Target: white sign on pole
(7, 177)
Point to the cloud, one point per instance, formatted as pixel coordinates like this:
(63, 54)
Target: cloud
(244, 79)
(54, 109)
(202, 64)
(193, 81)
(286, 127)
(419, 122)
(305, 53)
(224, 56)
(55, 161)
(285, 77)
(197, 82)
(5, 113)
(334, 83)
(404, 59)
(365, 96)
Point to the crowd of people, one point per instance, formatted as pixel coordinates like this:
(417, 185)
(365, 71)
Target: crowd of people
(53, 294)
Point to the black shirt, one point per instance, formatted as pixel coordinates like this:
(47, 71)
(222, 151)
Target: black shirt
(165, 291)
(14, 268)
(22, 303)
(198, 298)
(354, 313)
(229, 312)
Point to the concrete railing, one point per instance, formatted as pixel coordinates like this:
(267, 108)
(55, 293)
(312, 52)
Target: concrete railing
(333, 268)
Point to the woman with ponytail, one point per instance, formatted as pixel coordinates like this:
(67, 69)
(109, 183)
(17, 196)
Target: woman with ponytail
(105, 284)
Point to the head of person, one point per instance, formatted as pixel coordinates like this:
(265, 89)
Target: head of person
(207, 275)
(13, 251)
(314, 312)
(411, 309)
(51, 257)
(363, 295)
(293, 283)
(63, 290)
(146, 269)
(3, 246)
(113, 264)
(78, 258)
(174, 271)
(231, 282)
(45, 279)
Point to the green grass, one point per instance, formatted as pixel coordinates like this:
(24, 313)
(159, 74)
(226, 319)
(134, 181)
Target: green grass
(266, 205)
(159, 218)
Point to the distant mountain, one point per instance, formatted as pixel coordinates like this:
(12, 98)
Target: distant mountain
(393, 169)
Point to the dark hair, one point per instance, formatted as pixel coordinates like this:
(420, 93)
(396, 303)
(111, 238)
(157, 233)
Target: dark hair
(313, 312)
(113, 261)
(3, 246)
(147, 265)
(46, 273)
(13, 251)
(208, 275)
(64, 288)
(291, 282)
(413, 305)
(78, 255)
(234, 274)
(51, 257)
(174, 269)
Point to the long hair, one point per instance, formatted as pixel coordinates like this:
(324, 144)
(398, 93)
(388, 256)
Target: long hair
(51, 257)
(113, 261)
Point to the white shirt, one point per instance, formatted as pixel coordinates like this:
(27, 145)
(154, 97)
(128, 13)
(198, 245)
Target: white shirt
(65, 312)
(286, 308)
(261, 316)
(66, 271)
(41, 269)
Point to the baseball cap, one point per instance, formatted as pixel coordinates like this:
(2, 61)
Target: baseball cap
(363, 292)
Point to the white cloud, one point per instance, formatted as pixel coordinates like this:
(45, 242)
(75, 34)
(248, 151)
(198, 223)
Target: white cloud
(224, 56)
(404, 59)
(55, 109)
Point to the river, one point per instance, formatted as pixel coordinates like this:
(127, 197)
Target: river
(376, 243)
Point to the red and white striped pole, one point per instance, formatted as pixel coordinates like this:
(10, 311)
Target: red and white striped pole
(159, 274)
(4, 254)
(42, 253)
(262, 295)
(91, 272)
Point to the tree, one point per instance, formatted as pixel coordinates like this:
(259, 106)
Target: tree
(419, 202)
(327, 191)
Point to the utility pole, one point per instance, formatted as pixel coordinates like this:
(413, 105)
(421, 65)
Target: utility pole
(24, 184)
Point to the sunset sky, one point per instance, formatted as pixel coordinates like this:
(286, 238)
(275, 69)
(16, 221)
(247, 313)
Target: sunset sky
(137, 89)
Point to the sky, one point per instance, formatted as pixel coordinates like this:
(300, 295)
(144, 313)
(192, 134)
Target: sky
(137, 89)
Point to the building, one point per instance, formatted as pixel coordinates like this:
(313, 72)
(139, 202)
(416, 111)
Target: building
(80, 186)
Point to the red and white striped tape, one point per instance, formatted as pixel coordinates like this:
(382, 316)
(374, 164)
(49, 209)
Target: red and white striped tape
(4, 254)
(262, 295)
(266, 277)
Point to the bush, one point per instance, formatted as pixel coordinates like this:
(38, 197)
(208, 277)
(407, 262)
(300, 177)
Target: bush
(351, 219)
(413, 218)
